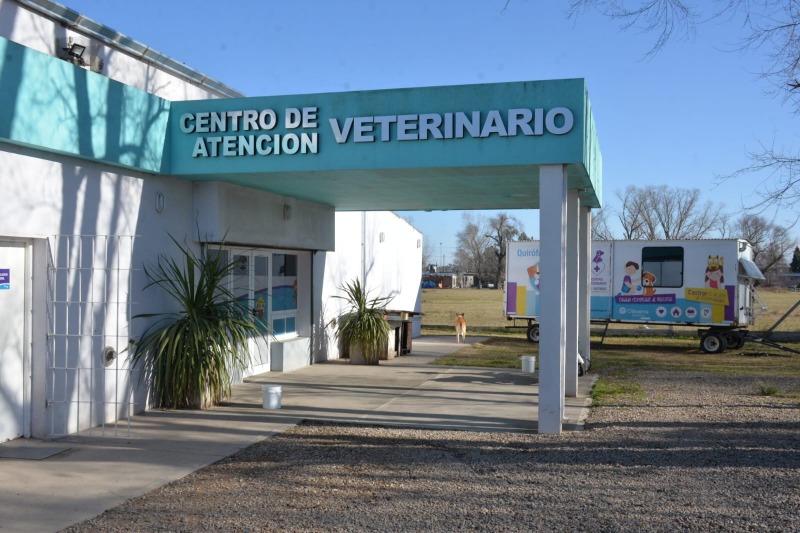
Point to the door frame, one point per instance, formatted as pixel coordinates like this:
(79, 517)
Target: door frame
(27, 248)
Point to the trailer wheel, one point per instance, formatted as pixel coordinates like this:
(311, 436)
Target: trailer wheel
(713, 343)
(533, 333)
(734, 340)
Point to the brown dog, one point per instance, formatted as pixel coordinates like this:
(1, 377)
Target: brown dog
(461, 328)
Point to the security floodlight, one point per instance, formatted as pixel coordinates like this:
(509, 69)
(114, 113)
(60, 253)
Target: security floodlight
(75, 50)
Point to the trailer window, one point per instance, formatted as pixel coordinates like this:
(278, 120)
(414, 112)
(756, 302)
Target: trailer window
(665, 263)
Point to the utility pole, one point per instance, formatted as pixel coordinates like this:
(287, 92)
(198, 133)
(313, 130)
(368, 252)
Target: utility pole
(442, 253)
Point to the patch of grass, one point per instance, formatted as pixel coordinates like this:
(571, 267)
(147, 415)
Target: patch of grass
(762, 389)
(777, 302)
(495, 352)
(484, 307)
(473, 332)
(684, 355)
(618, 360)
(605, 391)
(481, 307)
(620, 353)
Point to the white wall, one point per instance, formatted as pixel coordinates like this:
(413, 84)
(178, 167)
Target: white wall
(258, 218)
(30, 29)
(392, 268)
(44, 198)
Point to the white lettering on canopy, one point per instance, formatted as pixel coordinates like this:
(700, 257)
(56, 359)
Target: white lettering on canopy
(411, 127)
(246, 120)
(230, 139)
(243, 145)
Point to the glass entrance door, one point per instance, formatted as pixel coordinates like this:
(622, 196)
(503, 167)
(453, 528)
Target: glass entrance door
(266, 282)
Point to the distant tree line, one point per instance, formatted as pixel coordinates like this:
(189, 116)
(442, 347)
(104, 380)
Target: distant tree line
(672, 213)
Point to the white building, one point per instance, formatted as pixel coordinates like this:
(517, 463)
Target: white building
(87, 203)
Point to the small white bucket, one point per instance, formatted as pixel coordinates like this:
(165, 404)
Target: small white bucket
(272, 396)
(529, 363)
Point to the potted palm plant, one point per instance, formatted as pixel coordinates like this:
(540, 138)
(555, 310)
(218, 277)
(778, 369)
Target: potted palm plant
(189, 355)
(362, 330)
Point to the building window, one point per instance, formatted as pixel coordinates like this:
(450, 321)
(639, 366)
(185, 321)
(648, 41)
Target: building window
(665, 263)
(284, 293)
(266, 283)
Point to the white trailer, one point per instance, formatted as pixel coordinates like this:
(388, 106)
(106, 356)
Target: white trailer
(704, 283)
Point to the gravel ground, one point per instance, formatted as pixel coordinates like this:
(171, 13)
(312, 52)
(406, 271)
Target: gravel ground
(699, 453)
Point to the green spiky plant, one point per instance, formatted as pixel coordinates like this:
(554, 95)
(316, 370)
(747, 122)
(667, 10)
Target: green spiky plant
(189, 355)
(363, 328)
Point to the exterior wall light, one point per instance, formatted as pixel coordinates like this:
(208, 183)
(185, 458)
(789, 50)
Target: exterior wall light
(75, 51)
(287, 212)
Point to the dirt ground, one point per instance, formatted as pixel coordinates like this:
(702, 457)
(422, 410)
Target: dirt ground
(699, 452)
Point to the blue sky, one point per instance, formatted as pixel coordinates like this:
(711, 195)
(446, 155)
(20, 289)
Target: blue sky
(688, 114)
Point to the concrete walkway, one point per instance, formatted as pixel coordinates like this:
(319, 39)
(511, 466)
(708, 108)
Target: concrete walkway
(46, 486)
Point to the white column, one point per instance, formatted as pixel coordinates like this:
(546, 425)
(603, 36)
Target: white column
(573, 285)
(585, 295)
(553, 244)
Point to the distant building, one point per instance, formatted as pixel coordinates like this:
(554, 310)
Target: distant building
(449, 280)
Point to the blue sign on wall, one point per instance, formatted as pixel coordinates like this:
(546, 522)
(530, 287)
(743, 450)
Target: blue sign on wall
(5, 278)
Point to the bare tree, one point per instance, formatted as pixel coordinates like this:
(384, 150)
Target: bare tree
(771, 27)
(666, 18)
(472, 243)
(427, 253)
(771, 243)
(503, 228)
(635, 214)
(671, 213)
(781, 187)
(681, 214)
(601, 230)
(726, 227)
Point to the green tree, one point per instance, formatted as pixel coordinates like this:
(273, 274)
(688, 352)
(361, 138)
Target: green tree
(794, 266)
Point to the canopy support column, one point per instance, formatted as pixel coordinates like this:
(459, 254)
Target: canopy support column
(585, 295)
(573, 257)
(553, 249)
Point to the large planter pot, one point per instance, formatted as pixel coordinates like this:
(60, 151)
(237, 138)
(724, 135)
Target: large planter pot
(357, 357)
(362, 328)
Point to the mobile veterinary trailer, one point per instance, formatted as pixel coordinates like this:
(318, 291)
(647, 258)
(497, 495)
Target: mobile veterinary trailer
(706, 283)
